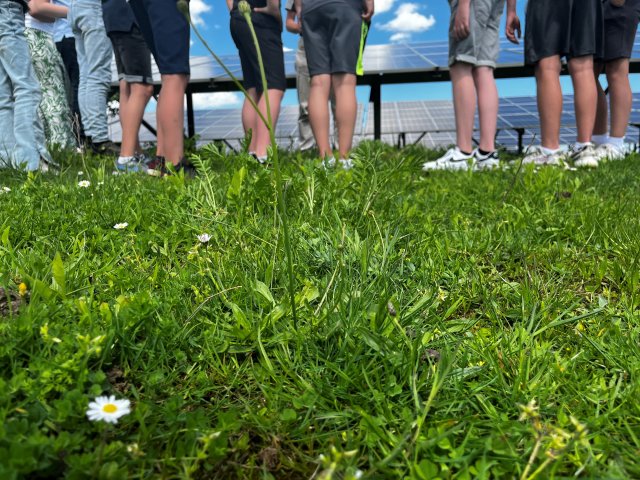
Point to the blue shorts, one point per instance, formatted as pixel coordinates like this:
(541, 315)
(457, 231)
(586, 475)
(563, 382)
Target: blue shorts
(166, 32)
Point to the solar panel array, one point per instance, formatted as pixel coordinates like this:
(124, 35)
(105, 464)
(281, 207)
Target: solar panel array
(378, 59)
(430, 122)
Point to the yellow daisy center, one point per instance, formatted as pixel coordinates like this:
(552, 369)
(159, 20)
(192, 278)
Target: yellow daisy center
(109, 408)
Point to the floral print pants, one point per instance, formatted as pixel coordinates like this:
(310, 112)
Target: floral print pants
(54, 108)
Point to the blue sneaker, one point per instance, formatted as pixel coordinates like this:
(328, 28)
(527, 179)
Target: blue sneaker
(130, 165)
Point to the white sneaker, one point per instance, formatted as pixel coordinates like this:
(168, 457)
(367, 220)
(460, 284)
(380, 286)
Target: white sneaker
(607, 151)
(536, 156)
(585, 157)
(485, 162)
(454, 159)
(328, 162)
(346, 163)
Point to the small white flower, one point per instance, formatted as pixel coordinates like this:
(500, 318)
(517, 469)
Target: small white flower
(6, 189)
(358, 474)
(204, 238)
(121, 226)
(108, 409)
(100, 183)
(80, 173)
(84, 183)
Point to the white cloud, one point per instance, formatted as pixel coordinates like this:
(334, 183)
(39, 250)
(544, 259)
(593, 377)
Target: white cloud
(208, 101)
(287, 49)
(400, 37)
(408, 20)
(197, 9)
(382, 6)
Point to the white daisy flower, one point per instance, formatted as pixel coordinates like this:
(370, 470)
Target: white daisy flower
(204, 238)
(84, 183)
(6, 189)
(108, 409)
(121, 226)
(80, 173)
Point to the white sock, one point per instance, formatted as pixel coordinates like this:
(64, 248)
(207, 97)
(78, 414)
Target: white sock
(549, 151)
(617, 142)
(600, 139)
(124, 160)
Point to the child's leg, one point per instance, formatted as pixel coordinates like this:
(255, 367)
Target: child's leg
(54, 109)
(344, 88)
(620, 96)
(488, 103)
(464, 104)
(585, 95)
(549, 95)
(170, 116)
(261, 138)
(602, 113)
(15, 65)
(7, 140)
(94, 55)
(319, 112)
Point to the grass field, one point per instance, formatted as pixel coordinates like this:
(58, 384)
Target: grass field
(451, 325)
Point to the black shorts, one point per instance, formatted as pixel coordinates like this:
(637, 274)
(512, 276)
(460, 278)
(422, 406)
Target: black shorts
(332, 33)
(133, 57)
(269, 32)
(620, 26)
(166, 32)
(569, 28)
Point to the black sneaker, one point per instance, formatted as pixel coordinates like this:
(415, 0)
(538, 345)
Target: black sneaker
(104, 148)
(186, 167)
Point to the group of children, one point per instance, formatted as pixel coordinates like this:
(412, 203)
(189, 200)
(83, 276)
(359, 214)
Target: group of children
(330, 48)
(55, 77)
(48, 45)
(593, 35)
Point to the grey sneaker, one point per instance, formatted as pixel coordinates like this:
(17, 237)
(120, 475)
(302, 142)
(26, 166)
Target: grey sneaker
(328, 162)
(485, 162)
(346, 163)
(585, 157)
(453, 160)
(536, 156)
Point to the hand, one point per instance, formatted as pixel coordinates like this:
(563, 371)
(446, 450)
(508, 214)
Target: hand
(617, 3)
(367, 10)
(43, 18)
(293, 25)
(272, 8)
(513, 30)
(461, 25)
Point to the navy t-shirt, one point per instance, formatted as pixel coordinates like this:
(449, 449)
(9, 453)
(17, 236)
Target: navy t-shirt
(118, 16)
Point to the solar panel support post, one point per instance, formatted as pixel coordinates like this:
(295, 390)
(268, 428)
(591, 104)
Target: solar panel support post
(375, 98)
(191, 122)
(520, 140)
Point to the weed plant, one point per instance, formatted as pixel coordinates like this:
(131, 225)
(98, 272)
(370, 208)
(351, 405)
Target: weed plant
(451, 325)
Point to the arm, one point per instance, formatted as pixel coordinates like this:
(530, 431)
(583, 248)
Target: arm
(42, 8)
(298, 6)
(230, 4)
(462, 24)
(513, 30)
(367, 10)
(272, 8)
(293, 26)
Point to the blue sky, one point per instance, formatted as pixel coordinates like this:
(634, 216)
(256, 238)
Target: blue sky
(395, 20)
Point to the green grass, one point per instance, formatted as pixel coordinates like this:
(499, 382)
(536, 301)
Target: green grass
(431, 310)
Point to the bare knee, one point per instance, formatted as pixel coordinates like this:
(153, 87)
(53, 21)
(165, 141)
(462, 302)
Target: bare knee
(142, 90)
(581, 65)
(618, 71)
(548, 67)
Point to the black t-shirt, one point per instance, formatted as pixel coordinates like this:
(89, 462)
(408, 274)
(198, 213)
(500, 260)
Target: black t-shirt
(23, 4)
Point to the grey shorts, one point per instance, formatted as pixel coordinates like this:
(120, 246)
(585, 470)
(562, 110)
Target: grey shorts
(332, 34)
(482, 46)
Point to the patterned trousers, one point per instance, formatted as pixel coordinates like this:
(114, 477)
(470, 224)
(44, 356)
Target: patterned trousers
(54, 107)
